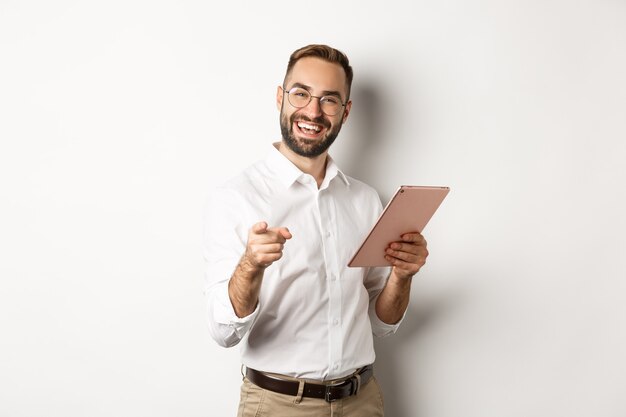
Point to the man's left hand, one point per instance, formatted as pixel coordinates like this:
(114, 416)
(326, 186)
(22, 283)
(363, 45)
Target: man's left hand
(408, 255)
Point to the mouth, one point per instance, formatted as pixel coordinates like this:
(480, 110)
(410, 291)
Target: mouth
(309, 129)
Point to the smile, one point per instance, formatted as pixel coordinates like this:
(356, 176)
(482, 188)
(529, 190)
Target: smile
(309, 128)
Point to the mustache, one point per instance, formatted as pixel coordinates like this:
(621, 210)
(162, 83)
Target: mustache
(302, 118)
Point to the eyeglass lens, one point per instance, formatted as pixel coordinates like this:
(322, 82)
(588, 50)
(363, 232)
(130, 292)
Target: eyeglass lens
(299, 97)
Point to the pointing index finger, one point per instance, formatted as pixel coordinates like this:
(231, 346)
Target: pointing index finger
(282, 231)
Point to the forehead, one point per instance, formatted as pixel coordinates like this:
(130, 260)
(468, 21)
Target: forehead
(318, 74)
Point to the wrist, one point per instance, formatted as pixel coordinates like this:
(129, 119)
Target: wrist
(399, 279)
(249, 269)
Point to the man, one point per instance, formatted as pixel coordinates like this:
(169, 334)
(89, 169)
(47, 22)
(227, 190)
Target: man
(277, 243)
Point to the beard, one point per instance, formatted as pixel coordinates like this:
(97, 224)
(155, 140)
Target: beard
(306, 147)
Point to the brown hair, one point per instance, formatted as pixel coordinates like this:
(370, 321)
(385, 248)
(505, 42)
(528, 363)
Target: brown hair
(326, 53)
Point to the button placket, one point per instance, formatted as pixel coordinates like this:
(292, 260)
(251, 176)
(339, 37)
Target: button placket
(334, 284)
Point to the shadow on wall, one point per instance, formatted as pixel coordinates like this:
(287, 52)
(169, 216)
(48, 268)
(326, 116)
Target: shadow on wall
(392, 353)
(368, 129)
(390, 368)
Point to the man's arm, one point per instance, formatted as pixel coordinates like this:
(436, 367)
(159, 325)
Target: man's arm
(264, 247)
(407, 257)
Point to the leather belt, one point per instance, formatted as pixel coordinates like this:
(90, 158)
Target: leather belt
(332, 391)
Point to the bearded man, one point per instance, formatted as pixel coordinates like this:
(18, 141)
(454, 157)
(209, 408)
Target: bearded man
(278, 239)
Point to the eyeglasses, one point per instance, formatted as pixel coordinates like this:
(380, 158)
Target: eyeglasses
(299, 97)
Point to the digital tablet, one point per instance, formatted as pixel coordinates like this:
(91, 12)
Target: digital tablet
(409, 210)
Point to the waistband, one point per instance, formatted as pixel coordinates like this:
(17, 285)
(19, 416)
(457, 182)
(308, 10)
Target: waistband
(330, 392)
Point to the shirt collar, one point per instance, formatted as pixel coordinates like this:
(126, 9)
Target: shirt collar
(332, 170)
(288, 173)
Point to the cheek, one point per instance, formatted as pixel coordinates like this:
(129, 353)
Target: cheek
(285, 117)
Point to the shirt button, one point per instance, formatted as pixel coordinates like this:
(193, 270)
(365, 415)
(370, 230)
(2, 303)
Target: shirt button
(335, 366)
(335, 321)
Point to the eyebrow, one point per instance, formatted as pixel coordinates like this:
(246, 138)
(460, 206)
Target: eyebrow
(324, 93)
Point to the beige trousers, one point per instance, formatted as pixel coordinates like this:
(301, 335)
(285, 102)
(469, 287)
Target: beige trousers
(258, 402)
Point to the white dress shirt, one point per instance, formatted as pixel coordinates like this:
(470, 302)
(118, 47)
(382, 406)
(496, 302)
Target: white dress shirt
(315, 315)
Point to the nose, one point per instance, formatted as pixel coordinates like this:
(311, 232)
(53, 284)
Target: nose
(313, 109)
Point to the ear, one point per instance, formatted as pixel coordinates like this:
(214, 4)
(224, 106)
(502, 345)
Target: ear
(279, 97)
(346, 112)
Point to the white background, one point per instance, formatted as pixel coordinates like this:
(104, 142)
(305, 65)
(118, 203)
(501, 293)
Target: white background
(116, 117)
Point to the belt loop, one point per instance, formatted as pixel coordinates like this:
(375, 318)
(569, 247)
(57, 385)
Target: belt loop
(357, 381)
(243, 375)
(300, 392)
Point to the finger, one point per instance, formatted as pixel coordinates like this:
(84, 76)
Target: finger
(414, 237)
(414, 248)
(283, 231)
(269, 258)
(286, 233)
(264, 254)
(260, 227)
(271, 248)
(273, 236)
(406, 256)
(404, 269)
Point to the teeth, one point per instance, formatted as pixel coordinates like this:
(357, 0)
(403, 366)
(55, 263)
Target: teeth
(308, 126)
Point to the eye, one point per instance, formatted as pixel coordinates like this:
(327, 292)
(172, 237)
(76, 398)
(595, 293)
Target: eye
(299, 92)
(332, 100)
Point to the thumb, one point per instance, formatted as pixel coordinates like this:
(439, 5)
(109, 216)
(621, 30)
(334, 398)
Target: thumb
(260, 227)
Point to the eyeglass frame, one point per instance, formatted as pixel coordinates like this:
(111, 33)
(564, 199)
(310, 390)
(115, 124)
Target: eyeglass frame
(311, 97)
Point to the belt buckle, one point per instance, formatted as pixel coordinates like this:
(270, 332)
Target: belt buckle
(327, 393)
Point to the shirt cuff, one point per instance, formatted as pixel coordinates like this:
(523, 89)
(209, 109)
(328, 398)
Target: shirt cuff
(225, 313)
(382, 329)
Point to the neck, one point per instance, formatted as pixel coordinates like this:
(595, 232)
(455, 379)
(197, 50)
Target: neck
(316, 166)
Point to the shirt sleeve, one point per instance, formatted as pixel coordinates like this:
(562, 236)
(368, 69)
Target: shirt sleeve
(375, 281)
(224, 240)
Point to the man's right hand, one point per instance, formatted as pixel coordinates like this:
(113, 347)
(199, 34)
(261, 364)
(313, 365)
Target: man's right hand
(265, 245)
